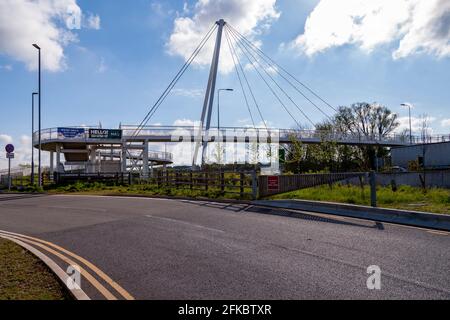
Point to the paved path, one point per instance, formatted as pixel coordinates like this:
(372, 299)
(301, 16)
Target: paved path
(172, 249)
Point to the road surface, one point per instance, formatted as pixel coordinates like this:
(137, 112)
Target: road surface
(177, 249)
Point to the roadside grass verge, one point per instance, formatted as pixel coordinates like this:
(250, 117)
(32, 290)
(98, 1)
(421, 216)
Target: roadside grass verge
(436, 200)
(97, 188)
(25, 277)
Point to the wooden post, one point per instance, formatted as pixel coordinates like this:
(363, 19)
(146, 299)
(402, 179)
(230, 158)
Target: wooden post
(222, 181)
(206, 181)
(191, 186)
(254, 185)
(241, 182)
(373, 189)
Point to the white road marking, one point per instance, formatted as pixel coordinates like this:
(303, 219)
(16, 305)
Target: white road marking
(185, 223)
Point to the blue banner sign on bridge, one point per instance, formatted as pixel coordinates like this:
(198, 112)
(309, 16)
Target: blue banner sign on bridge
(105, 134)
(72, 133)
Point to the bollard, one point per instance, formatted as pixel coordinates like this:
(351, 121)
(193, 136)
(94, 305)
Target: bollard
(373, 189)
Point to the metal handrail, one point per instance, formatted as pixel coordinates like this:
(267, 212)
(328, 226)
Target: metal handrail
(128, 131)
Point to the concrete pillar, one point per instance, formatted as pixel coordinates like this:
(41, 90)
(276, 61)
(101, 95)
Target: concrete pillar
(51, 165)
(145, 160)
(92, 158)
(123, 158)
(58, 157)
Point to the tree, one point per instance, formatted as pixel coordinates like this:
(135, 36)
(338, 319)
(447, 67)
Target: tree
(368, 121)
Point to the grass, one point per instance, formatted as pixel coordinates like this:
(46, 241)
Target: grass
(25, 277)
(97, 188)
(435, 200)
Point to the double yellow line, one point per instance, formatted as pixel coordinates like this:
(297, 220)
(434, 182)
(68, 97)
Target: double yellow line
(73, 259)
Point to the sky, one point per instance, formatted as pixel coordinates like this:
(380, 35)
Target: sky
(108, 61)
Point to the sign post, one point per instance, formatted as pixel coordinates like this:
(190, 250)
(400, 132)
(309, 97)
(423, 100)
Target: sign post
(9, 148)
(273, 184)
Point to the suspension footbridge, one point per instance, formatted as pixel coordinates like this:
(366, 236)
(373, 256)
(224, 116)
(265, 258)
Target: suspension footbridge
(130, 150)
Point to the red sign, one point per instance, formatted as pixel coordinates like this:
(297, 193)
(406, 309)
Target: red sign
(273, 183)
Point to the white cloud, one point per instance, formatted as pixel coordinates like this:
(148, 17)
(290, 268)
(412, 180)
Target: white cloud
(49, 23)
(102, 67)
(418, 26)
(6, 67)
(445, 123)
(22, 152)
(248, 17)
(5, 139)
(416, 124)
(92, 21)
(189, 93)
(185, 122)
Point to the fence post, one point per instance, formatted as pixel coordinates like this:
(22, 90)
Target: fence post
(191, 186)
(373, 189)
(241, 183)
(254, 185)
(222, 181)
(206, 181)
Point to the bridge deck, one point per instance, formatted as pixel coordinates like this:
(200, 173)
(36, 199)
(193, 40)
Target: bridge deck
(50, 137)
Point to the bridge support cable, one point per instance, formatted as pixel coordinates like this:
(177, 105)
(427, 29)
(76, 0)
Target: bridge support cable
(240, 82)
(268, 85)
(249, 46)
(280, 67)
(171, 85)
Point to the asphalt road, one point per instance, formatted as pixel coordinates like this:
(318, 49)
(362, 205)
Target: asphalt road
(173, 249)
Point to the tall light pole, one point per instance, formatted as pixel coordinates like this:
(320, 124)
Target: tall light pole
(39, 113)
(409, 106)
(32, 135)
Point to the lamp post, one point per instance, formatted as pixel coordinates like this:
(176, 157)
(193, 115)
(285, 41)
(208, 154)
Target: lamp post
(32, 135)
(218, 112)
(39, 113)
(409, 106)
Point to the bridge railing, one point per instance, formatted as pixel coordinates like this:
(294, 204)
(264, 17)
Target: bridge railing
(130, 131)
(152, 154)
(282, 134)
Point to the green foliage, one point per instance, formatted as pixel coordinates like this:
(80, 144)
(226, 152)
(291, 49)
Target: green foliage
(405, 197)
(148, 189)
(367, 120)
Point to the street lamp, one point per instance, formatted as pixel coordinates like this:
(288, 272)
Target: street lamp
(409, 106)
(39, 113)
(32, 135)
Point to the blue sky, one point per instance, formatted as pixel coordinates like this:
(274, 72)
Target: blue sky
(123, 57)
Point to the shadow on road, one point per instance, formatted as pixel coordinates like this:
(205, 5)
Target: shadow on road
(10, 196)
(236, 207)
